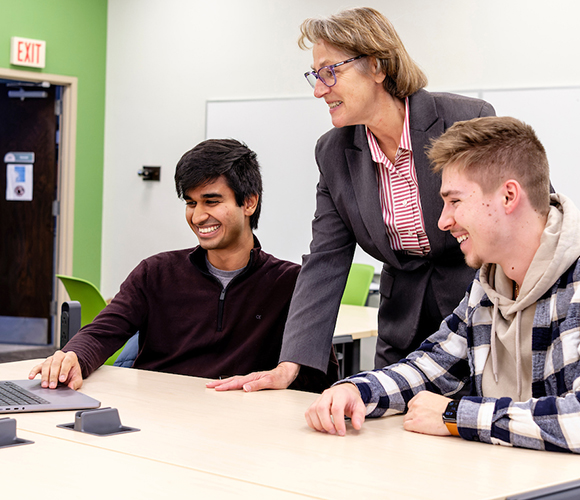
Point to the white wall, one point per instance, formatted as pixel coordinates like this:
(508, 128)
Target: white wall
(166, 58)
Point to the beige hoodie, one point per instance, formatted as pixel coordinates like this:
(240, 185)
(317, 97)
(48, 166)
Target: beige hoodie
(508, 369)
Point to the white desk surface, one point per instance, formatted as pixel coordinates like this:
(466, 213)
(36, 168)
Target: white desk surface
(357, 321)
(198, 443)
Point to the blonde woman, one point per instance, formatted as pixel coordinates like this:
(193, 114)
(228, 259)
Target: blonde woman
(376, 189)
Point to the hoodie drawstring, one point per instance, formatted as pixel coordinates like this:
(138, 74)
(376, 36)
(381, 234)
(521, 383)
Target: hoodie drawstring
(518, 354)
(518, 347)
(493, 348)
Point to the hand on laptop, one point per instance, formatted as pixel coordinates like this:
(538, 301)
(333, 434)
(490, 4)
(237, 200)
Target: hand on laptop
(61, 367)
(278, 378)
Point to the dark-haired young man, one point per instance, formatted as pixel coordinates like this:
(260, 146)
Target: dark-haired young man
(212, 311)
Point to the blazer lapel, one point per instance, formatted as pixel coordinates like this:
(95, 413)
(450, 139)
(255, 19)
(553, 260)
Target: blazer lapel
(426, 124)
(366, 189)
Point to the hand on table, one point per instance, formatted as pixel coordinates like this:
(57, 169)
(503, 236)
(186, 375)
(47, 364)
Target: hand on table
(278, 378)
(327, 413)
(60, 367)
(424, 414)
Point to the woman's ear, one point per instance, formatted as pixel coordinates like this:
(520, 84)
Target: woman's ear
(377, 70)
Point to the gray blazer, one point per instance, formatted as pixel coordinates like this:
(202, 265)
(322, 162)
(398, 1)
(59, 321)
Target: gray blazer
(348, 212)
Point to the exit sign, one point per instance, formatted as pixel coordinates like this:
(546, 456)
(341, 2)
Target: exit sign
(27, 52)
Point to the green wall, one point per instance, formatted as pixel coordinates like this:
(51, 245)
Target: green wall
(75, 32)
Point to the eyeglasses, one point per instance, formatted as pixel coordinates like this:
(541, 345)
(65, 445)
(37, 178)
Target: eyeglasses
(326, 74)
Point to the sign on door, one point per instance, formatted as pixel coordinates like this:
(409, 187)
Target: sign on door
(19, 176)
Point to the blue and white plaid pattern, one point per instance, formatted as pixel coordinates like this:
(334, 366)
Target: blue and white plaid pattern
(459, 351)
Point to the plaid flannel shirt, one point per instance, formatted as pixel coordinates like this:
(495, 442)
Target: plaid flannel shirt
(457, 353)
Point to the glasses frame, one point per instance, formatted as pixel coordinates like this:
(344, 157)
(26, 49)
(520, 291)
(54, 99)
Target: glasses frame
(331, 68)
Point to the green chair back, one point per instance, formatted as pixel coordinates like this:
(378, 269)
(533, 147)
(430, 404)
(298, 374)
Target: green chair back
(92, 302)
(358, 284)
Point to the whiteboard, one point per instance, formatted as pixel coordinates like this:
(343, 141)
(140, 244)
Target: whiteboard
(554, 113)
(283, 132)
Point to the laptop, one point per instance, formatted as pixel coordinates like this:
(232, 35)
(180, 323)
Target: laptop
(18, 396)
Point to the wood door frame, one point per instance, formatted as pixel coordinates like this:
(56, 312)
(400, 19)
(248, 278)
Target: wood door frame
(66, 172)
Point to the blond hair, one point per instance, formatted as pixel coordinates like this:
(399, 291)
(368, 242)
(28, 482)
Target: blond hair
(366, 31)
(491, 150)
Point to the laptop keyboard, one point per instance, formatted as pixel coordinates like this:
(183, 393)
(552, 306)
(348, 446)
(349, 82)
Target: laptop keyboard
(12, 394)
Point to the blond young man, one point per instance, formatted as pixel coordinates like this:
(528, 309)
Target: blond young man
(514, 337)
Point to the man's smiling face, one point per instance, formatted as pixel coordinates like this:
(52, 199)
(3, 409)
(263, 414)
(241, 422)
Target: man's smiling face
(215, 217)
(472, 217)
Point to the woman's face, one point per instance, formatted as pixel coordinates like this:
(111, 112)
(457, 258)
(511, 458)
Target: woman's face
(353, 100)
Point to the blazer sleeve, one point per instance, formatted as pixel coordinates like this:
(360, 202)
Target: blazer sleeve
(316, 300)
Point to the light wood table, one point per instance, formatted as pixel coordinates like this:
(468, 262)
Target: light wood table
(353, 324)
(198, 443)
(357, 321)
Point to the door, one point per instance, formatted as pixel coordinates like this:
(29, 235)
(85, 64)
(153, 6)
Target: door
(27, 228)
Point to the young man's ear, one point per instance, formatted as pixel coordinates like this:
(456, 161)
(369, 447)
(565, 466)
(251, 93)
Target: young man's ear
(250, 204)
(512, 195)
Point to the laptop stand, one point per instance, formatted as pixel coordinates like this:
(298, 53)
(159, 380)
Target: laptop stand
(99, 422)
(8, 434)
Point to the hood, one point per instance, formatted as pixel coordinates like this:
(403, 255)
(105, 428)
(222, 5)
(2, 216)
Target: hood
(559, 249)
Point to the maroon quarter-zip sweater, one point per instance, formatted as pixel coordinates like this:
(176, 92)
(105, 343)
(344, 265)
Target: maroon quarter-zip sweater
(189, 325)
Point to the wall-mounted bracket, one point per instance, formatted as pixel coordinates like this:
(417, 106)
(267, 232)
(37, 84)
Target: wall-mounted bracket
(150, 173)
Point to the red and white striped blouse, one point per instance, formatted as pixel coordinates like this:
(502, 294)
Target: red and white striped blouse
(399, 194)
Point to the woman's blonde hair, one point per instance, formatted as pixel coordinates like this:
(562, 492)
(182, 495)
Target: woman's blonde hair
(363, 30)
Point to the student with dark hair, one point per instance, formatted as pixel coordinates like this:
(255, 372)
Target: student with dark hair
(213, 311)
(222, 157)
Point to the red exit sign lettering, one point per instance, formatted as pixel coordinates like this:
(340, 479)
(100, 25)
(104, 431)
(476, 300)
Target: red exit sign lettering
(27, 52)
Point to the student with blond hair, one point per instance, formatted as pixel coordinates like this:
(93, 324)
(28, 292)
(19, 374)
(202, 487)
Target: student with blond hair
(514, 337)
